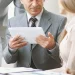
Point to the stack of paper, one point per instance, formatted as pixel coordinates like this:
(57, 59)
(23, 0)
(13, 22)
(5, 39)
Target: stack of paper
(17, 70)
(27, 71)
(38, 73)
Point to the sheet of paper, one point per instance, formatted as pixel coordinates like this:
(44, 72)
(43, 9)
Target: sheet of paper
(29, 33)
(27, 71)
(33, 73)
(48, 72)
(17, 70)
(3, 31)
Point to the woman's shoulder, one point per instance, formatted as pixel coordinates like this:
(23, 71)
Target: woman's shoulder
(72, 21)
(72, 33)
(70, 25)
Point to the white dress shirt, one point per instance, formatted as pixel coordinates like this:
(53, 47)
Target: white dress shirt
(67, 46)
(38, 17)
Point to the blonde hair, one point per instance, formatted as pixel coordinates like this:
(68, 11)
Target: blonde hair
(69, 5)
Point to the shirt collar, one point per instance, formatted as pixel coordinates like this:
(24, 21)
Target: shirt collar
(38, 16)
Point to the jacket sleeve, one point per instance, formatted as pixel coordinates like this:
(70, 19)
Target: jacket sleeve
(9, 56)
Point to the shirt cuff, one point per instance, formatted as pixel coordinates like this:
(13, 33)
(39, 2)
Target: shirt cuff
(52, 50)
(12, 50)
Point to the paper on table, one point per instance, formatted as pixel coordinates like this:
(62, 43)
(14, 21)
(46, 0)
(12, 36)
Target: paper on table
(30, 33)
(16, 70)
(48, 72)
(27, 71)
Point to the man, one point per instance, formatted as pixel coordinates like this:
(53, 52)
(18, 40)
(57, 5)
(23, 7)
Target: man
(45, 54)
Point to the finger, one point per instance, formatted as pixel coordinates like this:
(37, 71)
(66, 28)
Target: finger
(16, 37)
(50, 35)
(20, 45)
(41, 37)
(18, 41)
(40, 41)
(68, 71)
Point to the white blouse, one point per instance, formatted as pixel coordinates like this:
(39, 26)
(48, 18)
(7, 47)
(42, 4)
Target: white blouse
(67, 46)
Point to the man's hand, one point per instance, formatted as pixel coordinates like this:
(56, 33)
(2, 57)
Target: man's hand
(46, 42)
(17, 42)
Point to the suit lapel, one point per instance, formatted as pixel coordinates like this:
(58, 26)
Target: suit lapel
(45, 23)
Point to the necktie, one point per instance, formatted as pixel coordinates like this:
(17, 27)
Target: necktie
(33, 24)
(33, 21)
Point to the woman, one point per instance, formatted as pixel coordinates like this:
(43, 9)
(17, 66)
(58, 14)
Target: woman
(67, 13)
(67, 46)
(63, 11)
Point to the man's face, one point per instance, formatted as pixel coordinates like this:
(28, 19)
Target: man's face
(34, 7)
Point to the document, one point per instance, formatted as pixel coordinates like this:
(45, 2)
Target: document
(4, 70)
(29, 33)
(48, 72)
(27, 71)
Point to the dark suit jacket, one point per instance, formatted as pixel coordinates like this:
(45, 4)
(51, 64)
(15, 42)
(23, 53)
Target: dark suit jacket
(42, 58)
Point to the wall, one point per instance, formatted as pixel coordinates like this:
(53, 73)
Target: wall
(52, 5)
